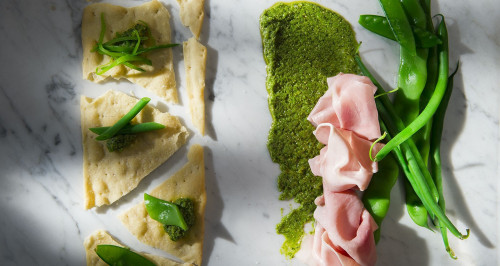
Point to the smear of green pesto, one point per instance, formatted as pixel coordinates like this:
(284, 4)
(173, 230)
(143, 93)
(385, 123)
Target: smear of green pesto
(304, 44)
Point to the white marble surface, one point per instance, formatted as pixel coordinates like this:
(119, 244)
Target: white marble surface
(42, 220)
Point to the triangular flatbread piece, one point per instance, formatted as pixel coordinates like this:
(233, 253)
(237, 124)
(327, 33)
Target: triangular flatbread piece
(159, 77)
(189, 182)
(101, 237)
(192, 14)
(110, 175)
(195, 57)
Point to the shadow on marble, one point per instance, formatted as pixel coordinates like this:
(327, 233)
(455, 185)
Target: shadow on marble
(399, 244)
(212, 62)
(213, 212)
(454, 125)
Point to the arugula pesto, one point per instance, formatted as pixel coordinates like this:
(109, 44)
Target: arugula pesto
(304, 43)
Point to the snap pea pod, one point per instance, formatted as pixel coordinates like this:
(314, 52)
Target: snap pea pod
(393, 122)
(379, 25)
(433, 104)
(407, 103)
(165, 212)
(435, 158)
(399, 24)
(376, 198)
(115, 255)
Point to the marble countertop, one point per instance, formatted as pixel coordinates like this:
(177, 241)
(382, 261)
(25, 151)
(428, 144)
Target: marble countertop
(42, 216)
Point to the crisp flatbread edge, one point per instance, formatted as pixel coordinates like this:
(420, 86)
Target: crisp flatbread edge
(158, 78)
(188, 182)
(195, 57)
(101, 237)
(110, 175)
(192, 13)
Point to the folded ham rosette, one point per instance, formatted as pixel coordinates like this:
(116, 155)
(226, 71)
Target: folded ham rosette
(344, 162)
(346, 121)
(343, 232)
(348, 104)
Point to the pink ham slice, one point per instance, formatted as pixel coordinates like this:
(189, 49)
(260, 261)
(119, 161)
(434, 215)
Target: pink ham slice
(348, 104)
(344, 162)
(318, 250)
(344, 231)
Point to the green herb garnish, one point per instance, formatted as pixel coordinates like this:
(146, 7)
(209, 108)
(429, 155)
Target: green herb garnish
(130, 129)
(122, 133)
(126, 47)
(177, 217)
(111, 132)
(115, 255)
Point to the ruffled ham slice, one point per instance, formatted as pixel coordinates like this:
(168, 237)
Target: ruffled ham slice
(342, 219)
(344, 162)
(318, 250)
(349, 104)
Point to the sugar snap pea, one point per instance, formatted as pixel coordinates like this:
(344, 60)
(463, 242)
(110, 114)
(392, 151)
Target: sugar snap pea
(433, 104)
(417, 179)
(399, 24)
(376, 198)
(165, 212)
(115, 255)
(379, 25)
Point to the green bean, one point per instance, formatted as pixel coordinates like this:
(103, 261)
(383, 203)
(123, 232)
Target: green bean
(131, 129)
(379, 25)
(399, 24)
(115, 255)
(435, 159)
(433, 104)
(376, 198)
(113, 130)
(417, 179)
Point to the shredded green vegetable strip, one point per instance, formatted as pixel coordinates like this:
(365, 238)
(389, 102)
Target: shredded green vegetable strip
(130, 129)
(113, 130)
(124, 50)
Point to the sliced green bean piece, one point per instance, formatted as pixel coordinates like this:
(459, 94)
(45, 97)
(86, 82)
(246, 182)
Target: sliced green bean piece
(115, 255)
(165, 212)
(110, 132)
(131, 129)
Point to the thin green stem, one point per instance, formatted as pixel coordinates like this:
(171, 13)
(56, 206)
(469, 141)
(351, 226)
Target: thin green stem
(110, 132)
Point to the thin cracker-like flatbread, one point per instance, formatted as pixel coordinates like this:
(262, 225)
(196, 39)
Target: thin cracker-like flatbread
(110, 175)
(101, 237)
(158, 78)
(195, 57)
(188, 182)
(192, 13)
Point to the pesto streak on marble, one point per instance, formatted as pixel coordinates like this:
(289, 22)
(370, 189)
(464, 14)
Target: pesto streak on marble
(43, 221)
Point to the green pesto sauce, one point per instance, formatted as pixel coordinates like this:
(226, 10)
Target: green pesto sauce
(304, 44)
(186, 206)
